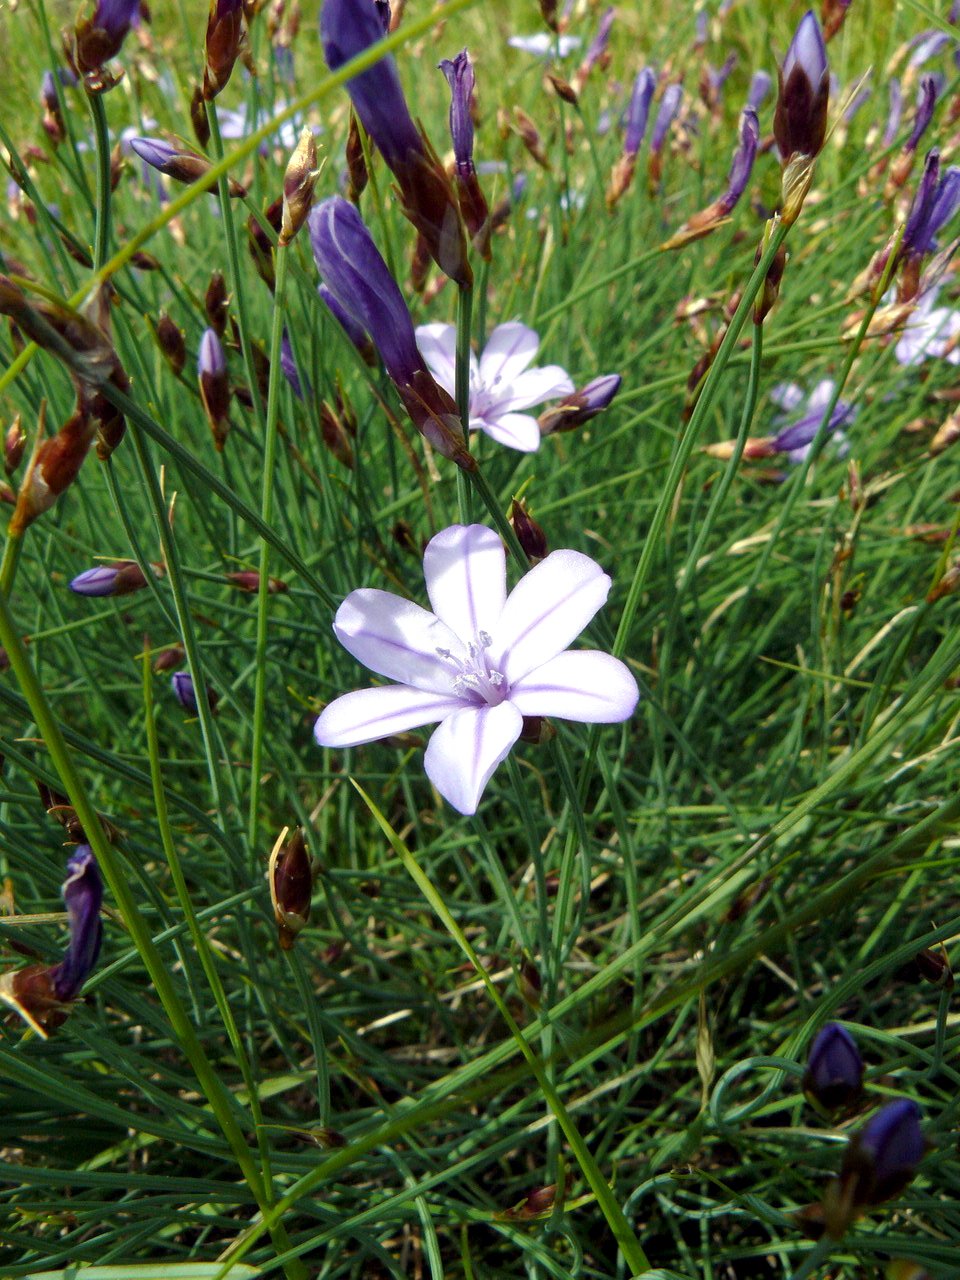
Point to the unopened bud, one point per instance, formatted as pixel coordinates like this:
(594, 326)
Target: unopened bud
(291, 887)
(182, 166)
(529, 534)
(299, 182)
(248, 580)
(14, 443)
(935, 967)
(530, 982)
(260, 244)
(199, 118)
(215, 304)
(834, 1077)
(171, 342)
(186, 694)
(214, 386)
(168, 658)
(356, 162)
(226, 34)
(580, 406)
(529, 135)
(120, 578)
(947, 584)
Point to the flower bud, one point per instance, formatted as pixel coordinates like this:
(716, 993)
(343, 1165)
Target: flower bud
(248, 580)
(350, 326)
(879, 1162)
(167, 658)
(53, 468)
(52, 120)
(226, 35)
(260, 244)
(581, 406)
(834, 1075)
(185, 692)
(800, 120)
(299, 182)
(529, 135)
(216, 303)
(182, 166)
(14, 443)
(934, 966)
(291, 888)
(198, 117)
(214, 386)
(98, 38)
(171, 342)
(529, 534)
(530, 982)
(760, 86)
(473, 203)
(120, 578)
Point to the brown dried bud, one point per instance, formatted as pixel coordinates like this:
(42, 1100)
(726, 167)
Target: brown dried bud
(530, 982)
(30, 993)
(429, 203)
(434, 414)
(53, 468)
(770, 291)
(14, 444)
(356, 162)
(621, 176)
(291, 887)
(299, 182)
(216, 302)
(947, 434)
(226, 36)
(171, 341)
(529, 534)
(529, 135)
(260, 244)
(934, 966)
(947, 585)
(168, 659)
(248, 580)
(198, 117)
(562, 88)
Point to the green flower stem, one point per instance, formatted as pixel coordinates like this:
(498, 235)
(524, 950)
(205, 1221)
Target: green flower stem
(464, 307)
(111, 866)
(266, 513)
(629, 1245)
(11, 558)
(198, 937)
(504, 527)
(237, 288)
(688, 440)
(101, 136)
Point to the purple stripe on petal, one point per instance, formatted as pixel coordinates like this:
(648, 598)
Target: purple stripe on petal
(399, 640)
(369, 714)
(466, 748)
(465, 570)
(583, 685)
(546, 610)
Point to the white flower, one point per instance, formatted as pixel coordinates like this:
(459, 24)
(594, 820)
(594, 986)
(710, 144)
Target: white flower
(544, 45)
(480, 662)
(500, 382)
(930, 331)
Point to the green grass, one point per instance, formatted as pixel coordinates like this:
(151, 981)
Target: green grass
(763, 848)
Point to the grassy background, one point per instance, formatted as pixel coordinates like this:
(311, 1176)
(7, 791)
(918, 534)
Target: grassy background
(765, 847)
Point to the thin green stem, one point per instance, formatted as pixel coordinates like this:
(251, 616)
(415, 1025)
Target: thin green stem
(101, 137)
(464, 306)
(266, 513)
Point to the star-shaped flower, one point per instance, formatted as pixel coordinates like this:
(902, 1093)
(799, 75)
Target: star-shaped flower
(480, 662)
(500, 381)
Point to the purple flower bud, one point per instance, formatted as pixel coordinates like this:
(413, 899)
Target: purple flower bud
(834, 1075)
(360, 281)
(117, 579)
(895, 111)
(211, 359)
(598, 44)
(700, 29)
(717, 77)
(884, 1155)
(116, 17)
(97, 39)
(669, 106)
(760, 85)
(83, 894)
(743, 160)
(576, 409)
(460, 78)
(800, 120)
(154, 151)
(639, 110)
(797, 438)
(935, 203)
(348, 28)
(926, 101)
(182, 684)
(347, 322)
(48, 92)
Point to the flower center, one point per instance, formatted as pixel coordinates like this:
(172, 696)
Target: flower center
(475, 680)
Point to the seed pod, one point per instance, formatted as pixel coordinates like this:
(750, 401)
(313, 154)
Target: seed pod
(171, 342)
(299, 182)
(215, 304)
(529, 534)
(291, 887)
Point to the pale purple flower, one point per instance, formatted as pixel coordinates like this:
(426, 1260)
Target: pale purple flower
(926, 101)
(460, 78)
(118, 579)
(598, 45)
(480, 662)
(544, 45)
(183, 688)
(351, 327)
(501, 383)
(882, 1156)
(927, 45)
(669, 106)
(743, 159)
(154, 151)
(935, 203)
(795, 438)
(930, 331)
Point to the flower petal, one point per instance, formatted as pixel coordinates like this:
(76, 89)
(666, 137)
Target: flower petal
(515, 430)
(369, 714)
(399, 640)
(546, 610)
(787, 395)
(533, 387)
(438, 346)
(466, 574)
(509, 350)
(579, 685)
(464, 751)
(820, 395)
